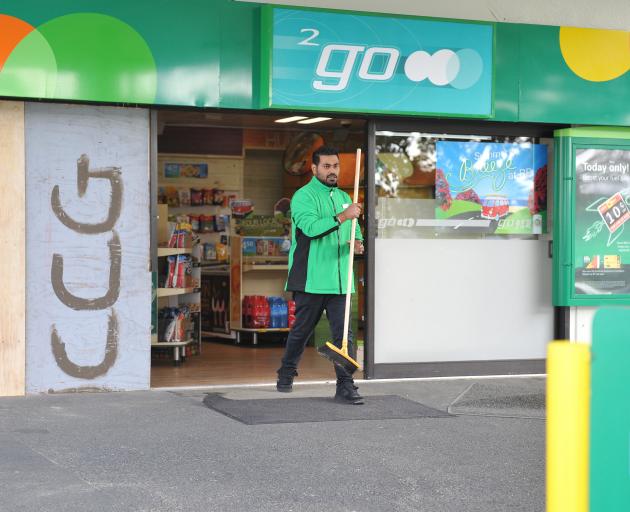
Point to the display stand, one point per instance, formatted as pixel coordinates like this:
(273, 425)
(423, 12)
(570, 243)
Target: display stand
(253, 275)
(174, 297)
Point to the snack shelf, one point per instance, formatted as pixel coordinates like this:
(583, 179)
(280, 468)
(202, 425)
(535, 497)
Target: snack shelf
(172, 251)
(256, 332)
(170, 292)
(250, 267)
(177, 346)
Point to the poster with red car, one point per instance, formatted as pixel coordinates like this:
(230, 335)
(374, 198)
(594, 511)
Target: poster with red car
(502, 183)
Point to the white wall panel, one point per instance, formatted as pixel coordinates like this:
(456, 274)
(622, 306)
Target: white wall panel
(90, 327)
(612, 14)
(462, 300)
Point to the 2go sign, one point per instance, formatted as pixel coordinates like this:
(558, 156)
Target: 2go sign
(442, 68)
(366, 63)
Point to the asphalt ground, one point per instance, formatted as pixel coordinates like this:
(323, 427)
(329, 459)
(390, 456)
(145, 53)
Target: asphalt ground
(166, 451)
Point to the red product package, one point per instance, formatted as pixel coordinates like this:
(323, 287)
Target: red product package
(208, 196)
(181, 239)
(172, 241)
(180, 272)
(196, 197)
(172, 262)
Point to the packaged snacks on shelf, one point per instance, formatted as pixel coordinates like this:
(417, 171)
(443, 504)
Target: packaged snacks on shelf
(172, 196)
(249, 247)
(209, 252)
(187, 272)
(161, 195)
(181, 238)
(218, 197)
(172, 239)
(170, 273)
(196, 197)
(180, 271)
(222, 252)
(184, 196)
(206, 223)
(195, 223)
(220, 223)
(208, 196)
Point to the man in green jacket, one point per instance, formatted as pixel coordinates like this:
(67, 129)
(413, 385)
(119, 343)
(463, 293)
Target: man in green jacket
(321, 217)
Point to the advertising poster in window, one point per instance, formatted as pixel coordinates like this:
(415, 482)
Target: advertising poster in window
(503, 184)
(602, 235)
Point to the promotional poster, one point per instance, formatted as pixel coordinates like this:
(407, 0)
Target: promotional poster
(601, 245)
(502, 183)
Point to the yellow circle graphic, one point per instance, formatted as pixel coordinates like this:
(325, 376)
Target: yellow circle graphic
(596, 55)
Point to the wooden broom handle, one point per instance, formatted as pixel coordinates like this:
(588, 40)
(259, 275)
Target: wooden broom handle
(355, 199)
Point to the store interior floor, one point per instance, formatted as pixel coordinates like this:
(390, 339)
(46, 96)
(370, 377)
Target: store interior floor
(224, 363)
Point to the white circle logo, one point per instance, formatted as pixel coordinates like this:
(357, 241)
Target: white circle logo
(461, 69)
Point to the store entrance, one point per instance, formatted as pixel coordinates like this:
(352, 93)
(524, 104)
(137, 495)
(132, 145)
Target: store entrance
(222, 186)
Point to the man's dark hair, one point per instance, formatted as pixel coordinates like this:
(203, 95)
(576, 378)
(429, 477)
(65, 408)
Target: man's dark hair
(324, 150)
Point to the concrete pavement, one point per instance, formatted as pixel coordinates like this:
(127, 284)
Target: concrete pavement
(166, 451)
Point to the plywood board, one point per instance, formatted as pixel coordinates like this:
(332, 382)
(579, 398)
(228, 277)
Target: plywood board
(13, 250)
(88, 248)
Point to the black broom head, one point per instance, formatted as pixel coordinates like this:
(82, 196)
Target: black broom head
(337, 356)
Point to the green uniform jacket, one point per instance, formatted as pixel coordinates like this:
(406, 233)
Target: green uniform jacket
(318, 260)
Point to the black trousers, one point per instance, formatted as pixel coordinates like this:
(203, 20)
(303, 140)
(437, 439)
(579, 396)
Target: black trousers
(308, 310)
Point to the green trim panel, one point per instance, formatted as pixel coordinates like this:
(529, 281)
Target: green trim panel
(607, 132)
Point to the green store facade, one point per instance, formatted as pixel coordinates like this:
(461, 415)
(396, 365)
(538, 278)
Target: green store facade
(496, 170)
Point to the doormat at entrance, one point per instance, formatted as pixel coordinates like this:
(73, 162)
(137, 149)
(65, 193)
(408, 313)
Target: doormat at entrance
(318, 409)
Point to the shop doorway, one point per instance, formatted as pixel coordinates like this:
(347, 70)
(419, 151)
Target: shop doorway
(221, 186)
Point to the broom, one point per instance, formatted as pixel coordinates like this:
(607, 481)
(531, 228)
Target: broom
(340, 356)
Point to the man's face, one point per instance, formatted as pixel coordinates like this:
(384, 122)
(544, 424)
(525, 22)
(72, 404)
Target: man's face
(327, 170)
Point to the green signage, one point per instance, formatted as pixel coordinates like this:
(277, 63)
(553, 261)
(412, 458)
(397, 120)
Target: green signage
(592, 260)
(346, 61)
(199, 54)
(610, 412)
(226, 54)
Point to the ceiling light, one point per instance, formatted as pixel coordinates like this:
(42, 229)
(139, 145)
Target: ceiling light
(290, 119)
(314, 120)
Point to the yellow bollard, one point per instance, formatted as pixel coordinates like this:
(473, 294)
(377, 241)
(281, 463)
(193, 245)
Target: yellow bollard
(568, 416)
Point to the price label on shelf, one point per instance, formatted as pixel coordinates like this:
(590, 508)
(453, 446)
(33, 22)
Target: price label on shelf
(614, 212)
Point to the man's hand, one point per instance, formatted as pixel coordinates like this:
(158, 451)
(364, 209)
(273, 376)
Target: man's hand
(358, 247)
(352, 212)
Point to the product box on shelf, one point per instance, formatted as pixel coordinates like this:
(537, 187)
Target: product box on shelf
(266, 246)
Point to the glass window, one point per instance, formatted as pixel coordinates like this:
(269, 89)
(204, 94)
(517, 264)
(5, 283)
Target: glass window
(456, 186)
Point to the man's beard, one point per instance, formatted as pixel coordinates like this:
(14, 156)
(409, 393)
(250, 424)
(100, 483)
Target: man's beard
(328, 183)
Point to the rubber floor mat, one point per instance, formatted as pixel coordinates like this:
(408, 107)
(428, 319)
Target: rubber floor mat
(317, 409)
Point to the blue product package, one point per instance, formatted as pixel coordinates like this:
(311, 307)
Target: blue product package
(249, 247)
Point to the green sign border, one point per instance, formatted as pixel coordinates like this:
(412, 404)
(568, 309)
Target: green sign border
(266, 54)
(568, 141)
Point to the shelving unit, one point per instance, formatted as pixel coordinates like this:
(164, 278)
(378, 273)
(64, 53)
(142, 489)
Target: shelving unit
(172, 251)
(253, 275)
(179, 353)
(175, 297)
(171, 292)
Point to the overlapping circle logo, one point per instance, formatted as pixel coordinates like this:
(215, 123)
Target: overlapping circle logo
(596, 55)
(81, 56)
(461, 69)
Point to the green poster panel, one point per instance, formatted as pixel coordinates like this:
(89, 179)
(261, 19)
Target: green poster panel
(592, 210)
(610, 412)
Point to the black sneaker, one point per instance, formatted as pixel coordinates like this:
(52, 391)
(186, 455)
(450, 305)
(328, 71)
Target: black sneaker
(284, 383)
(347, 393)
